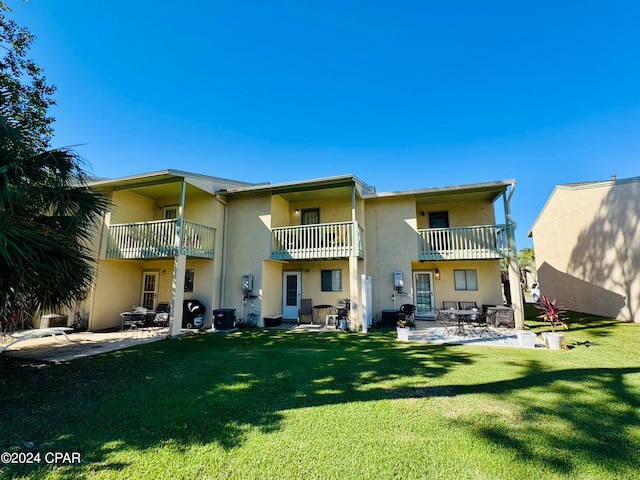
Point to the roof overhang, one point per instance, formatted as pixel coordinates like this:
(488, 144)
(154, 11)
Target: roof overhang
(165, 183)
(488, 192)
(307, 189)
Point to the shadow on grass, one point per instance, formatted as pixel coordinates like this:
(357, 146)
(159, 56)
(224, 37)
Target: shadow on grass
(217, 389)
(202, 389)
(575, 321)
(586, 414)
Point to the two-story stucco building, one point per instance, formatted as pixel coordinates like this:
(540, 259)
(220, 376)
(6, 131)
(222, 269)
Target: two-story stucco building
(587, 247)
(172, 236)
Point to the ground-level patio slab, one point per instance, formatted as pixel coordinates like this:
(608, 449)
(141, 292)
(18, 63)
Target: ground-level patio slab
(80, 345)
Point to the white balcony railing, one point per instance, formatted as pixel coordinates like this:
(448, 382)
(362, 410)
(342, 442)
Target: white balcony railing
(463, 243)
(159, 240)
(321, 241)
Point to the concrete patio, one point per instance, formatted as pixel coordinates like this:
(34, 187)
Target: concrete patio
(428, 332)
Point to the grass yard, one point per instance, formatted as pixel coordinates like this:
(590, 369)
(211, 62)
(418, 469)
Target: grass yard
(275, 404)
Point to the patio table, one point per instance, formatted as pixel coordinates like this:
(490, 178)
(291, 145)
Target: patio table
(460, 316)
(135, 318)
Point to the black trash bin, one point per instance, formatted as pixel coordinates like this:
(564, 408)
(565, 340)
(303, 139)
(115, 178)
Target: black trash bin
(193, 314)
(224, 318)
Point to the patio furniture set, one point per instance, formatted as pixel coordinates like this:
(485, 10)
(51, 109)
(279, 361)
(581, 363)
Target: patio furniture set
(141, 317)
(338, 314)
(465, 318)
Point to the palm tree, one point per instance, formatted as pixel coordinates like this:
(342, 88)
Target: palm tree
(47, 216)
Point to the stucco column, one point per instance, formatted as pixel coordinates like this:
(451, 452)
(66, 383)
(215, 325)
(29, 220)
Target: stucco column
(177, 294)
(354, 289)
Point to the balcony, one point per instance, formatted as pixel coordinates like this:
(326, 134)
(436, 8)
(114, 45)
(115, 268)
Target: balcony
(463, 243)
(147, 240)
(316, 242)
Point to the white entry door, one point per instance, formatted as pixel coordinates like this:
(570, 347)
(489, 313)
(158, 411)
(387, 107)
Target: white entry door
(291, 283)
(423, 288)
(149, 290)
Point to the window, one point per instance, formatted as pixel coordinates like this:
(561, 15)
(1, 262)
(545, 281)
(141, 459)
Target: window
(466, 279)
(189, 276)
(331, 280)
(438, 219)
(311, 216)
(170, 212)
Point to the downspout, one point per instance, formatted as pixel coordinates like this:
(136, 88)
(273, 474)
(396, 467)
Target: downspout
(223, 273)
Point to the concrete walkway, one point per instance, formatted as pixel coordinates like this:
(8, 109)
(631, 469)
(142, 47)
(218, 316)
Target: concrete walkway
(80, 345)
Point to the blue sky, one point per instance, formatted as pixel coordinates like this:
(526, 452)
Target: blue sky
(403, 94)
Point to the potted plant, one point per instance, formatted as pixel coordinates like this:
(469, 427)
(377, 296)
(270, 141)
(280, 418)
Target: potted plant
(402, 328)
(553, 313)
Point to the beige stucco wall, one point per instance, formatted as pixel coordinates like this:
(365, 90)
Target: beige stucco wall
(586, 246)
(280, 212)
(118, 284)
(120, 287)
(118, 290)
(129, 207)
(461, 214)
(206, 285)
(250, 219)
(488, 273)
(271, 291)
(311, 280)
(331, 210)
(391, 245)
(249, 243)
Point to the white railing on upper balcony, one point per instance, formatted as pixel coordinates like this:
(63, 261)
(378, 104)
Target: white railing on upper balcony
(463, 243)
(324, 240)
(159, 240)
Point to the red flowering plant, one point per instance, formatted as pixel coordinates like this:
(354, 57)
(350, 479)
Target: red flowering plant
(552, 313)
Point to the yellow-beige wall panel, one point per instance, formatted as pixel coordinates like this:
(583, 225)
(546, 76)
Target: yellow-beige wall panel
(489, 282)
(461, 214)
(270, 292)
(391, 245)
(129, 207)
(117, 289)
(249, 244)
(332, 210)
(280, 212)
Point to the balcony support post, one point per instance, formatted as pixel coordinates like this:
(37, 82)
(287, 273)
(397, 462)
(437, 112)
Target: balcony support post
(177, 294)
(354, 294)
(512, 263)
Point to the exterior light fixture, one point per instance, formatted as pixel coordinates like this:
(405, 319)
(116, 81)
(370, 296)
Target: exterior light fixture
(437, 274)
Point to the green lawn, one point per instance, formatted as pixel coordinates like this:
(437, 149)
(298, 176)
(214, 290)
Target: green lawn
(274, 404)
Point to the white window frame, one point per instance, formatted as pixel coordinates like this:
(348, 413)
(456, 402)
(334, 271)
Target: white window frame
(465, 280)
(336, 280)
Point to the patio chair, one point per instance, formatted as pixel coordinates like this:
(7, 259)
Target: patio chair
(306, 309)
(478, 323)
(448, 320)
(407, 311)
(468, 305)
(448, 305)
